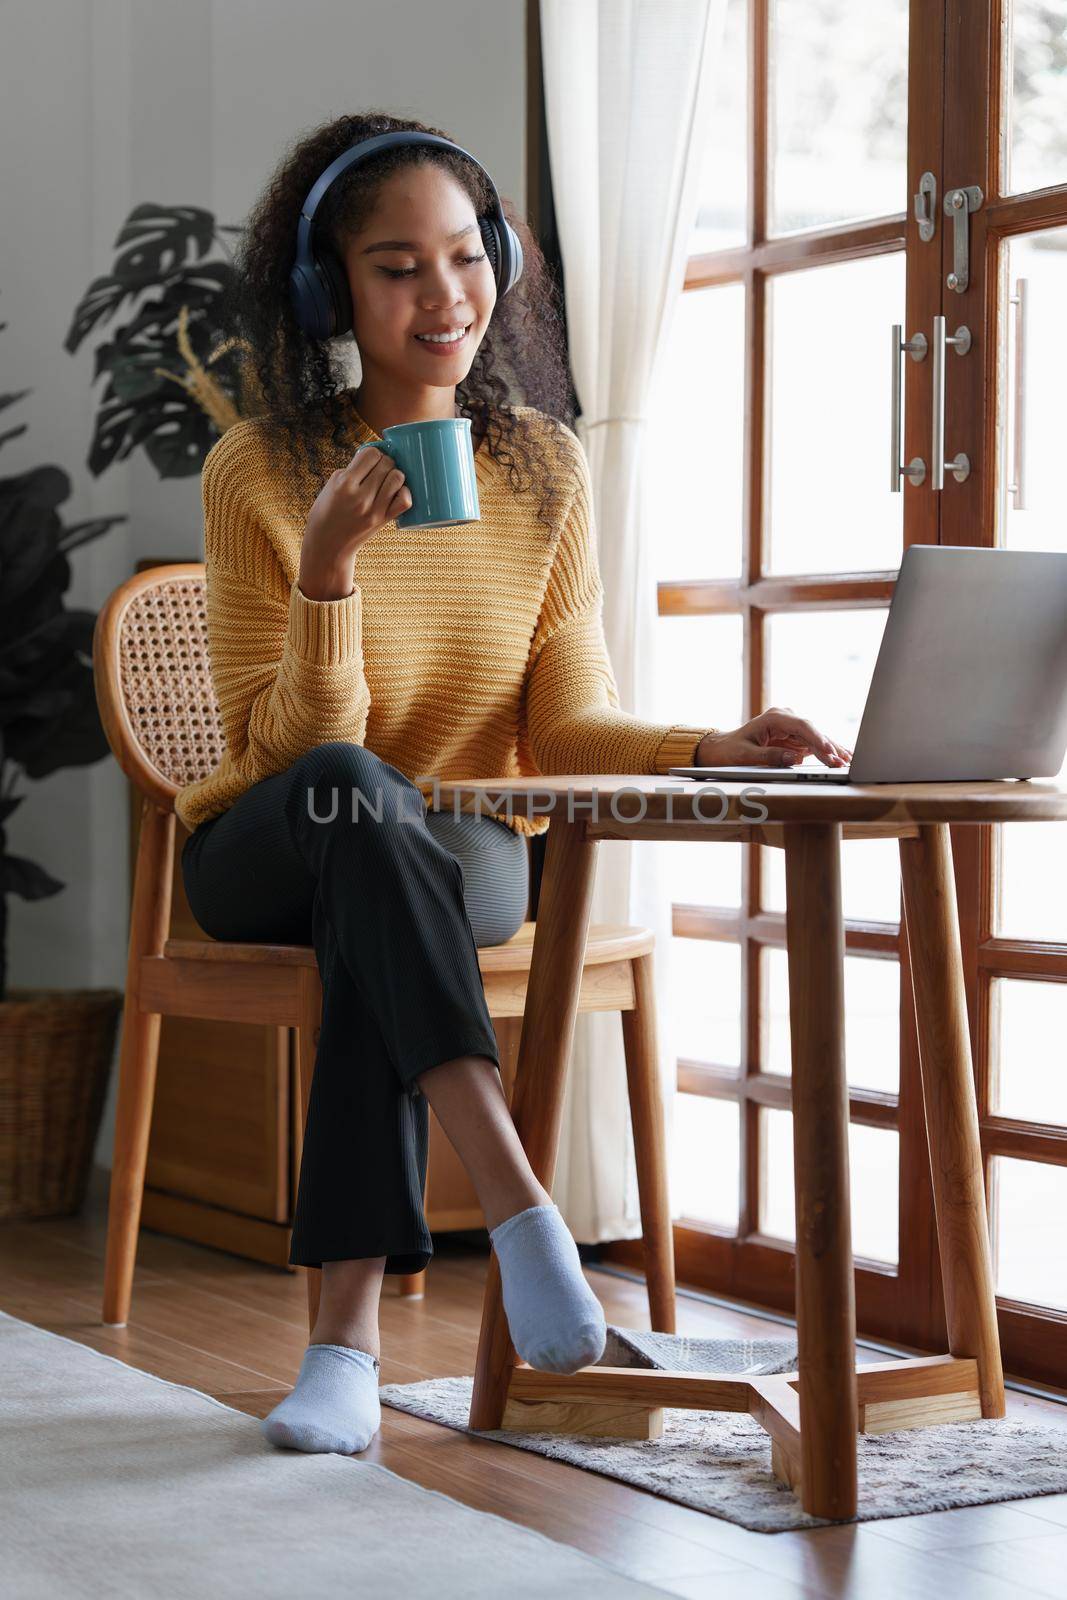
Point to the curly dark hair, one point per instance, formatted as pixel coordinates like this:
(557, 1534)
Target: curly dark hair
(299, 382)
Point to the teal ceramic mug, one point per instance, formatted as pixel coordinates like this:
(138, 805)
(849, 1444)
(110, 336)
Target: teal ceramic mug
(437, 460)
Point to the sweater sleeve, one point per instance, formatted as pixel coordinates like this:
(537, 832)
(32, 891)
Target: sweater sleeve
(573, 717)
(288, 671)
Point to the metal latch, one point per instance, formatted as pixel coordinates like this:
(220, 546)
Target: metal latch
(959, 203)
(925, 203)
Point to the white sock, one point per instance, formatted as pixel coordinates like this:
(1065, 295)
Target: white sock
(556, 1320)
(334, 1404)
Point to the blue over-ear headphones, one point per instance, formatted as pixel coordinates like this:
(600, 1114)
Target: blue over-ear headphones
(318, 282)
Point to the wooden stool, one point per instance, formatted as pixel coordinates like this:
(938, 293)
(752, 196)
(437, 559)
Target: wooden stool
(158, 708)
(812, 1415)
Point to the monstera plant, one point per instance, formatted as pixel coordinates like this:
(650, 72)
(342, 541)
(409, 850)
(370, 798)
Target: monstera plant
(55, 1044)
(172, 383)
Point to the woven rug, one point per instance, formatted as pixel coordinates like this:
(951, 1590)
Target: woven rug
(115, 1482)
(720, 1461)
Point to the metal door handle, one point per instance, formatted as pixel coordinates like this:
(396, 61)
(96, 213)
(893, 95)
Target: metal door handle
(1017, 489)
(916, 467)
(959, 466)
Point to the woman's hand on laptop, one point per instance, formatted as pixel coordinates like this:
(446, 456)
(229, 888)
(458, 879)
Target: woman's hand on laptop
(776, 738)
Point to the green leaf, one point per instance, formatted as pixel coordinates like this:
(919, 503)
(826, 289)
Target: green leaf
(83, 532)
(99, 302)
(75, 738)
(159, 238)
(26, 879)
(176, 455)
(135, 377)
(47, 487)
(13, 399)
(13, 433)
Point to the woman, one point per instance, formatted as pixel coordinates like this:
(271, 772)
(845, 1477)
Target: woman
(348, 656)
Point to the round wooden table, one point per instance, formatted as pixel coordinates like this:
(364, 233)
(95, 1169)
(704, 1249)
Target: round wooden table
(814, 1414)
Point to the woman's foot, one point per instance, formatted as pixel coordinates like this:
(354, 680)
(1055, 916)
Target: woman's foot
(334, 1404)
(556, 1321)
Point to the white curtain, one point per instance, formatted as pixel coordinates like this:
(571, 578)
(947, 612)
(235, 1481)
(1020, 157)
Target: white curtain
(628, 89)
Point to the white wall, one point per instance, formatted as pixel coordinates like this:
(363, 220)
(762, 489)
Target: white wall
(105, 104)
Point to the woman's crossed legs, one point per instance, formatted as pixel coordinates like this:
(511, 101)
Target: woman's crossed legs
(339, 850)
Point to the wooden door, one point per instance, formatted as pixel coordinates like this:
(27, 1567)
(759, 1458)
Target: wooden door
(839, 132)
(1006, 136)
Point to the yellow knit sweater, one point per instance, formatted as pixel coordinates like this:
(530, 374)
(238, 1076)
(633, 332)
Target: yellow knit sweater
(469, 652)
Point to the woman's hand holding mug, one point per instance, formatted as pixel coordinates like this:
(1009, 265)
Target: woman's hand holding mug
(353, 503)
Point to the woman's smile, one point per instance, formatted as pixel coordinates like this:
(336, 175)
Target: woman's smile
(443, 344)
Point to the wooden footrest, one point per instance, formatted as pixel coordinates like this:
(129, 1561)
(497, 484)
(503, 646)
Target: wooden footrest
(628, 1402)
(605, 1421)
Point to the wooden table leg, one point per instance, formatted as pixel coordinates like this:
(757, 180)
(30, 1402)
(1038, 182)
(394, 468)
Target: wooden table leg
(825, 1286)
(933, 935)
(563, 908)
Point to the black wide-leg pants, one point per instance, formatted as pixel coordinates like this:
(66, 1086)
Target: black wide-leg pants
(340, 851)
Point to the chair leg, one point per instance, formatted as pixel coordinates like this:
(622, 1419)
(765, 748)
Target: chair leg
(138, 1061)
(649, 1134)
(307, 1041)
(953, 1140)
(411, 1285)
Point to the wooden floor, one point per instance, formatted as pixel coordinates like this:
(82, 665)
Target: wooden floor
(237, 1331)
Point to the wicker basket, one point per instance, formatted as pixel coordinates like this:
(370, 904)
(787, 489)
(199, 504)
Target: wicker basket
(56, 1047)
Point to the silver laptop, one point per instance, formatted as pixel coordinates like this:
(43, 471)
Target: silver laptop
(971, 676)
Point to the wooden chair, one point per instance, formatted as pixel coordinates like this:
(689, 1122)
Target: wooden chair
(158, 708)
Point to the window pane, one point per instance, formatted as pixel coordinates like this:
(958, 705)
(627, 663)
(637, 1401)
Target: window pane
(1028, 1028)
(874, 1161)
(839, 108)
(1029, 1205)
(705, 989)
(699, 671)
(870, 880)
(821, 664)
(774, 978)
(777, 1208)
(831, 509)
(722, 219)
(698, 681)
(872, 1020)
(1036, 125)
(874, 1167)
(698, 874)
(1039, 261)
(705, 1160)
(1031, 903)
(695, 414)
